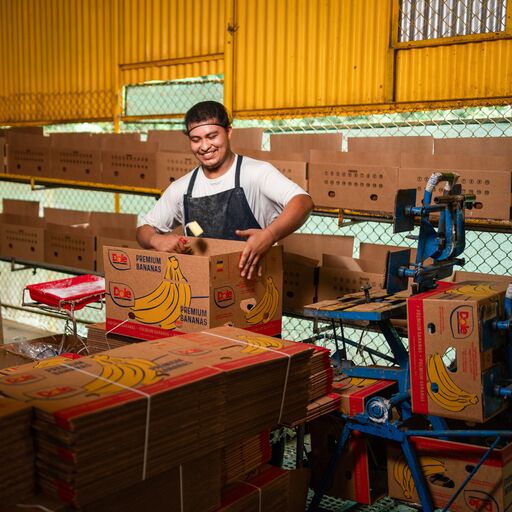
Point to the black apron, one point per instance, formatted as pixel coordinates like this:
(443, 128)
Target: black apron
(220, 214)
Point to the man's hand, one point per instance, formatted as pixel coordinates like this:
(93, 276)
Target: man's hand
(259, 241)
(148, 238)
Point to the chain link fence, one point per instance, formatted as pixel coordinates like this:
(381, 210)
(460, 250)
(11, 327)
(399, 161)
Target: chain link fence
(486, 251)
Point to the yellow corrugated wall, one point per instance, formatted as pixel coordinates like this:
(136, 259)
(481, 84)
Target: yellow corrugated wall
(170, 39)
(68, 59)
(294, 54)
(56, 60)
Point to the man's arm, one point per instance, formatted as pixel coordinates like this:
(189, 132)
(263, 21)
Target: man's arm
(259, 241)
(149, 238)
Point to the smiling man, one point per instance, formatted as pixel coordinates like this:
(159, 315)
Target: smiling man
(230, 196)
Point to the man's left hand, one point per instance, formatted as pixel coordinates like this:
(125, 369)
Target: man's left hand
(259, 241)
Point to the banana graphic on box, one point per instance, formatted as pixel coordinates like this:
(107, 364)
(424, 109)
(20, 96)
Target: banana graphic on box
(259, 344)
(264, 310)
(163, 305)
(447, 394)
(127, 371)
(402, 473)
(361, 382)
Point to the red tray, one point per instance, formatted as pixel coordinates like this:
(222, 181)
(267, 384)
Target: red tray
(79, 291)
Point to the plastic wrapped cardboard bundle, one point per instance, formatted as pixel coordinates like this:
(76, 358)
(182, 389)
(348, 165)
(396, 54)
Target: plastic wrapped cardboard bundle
(104, 423)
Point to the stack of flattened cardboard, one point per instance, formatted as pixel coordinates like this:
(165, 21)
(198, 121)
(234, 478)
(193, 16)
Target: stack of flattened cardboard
(241, 458)
(106, 422)
(16, 452)
(266, 491)
(99, 341)
(320, 380)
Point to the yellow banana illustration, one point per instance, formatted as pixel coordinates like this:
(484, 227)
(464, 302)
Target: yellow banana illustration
(266, 308)
(128, 372)
(441, 388)
(361, 382)
(472, 290)
(402, 473)
(163, 305)
(258, 344)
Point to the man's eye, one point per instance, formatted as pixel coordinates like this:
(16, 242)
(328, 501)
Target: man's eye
(195, 141)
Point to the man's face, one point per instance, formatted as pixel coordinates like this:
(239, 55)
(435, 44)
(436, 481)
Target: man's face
(209, 143)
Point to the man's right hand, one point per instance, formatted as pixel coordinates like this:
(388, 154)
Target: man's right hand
(148, 238)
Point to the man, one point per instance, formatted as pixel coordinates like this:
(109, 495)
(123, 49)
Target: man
(229, 196)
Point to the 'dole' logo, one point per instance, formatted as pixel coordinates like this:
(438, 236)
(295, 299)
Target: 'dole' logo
(224, 296)
(461, 322)
(119, 259)
(121, 294)
(54, 393)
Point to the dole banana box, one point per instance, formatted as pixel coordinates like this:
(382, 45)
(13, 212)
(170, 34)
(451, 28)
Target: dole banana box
(445, 466)
(152, 295)
(454, 352)
(359, 476)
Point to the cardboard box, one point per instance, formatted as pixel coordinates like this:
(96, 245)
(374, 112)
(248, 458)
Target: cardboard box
(353, 186)
(76, 156)
(28, 154)
(397, 144)
(70, 236)
(127, 161)
(303, 142)
(446, 464)
(200, 290)
(454, 353)
(355, 158)
(490, 179)
(475, 146)
(460, 275)
(360, 473)
(169, 140)
(172, 165)
(340, 275)
(120, 232)
(21, 230)
(314, 246)
(299, 282)
(246, 138)
(291, 165)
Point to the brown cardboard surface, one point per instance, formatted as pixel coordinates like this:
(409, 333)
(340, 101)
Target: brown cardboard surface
(355, 158)
(192, 291)
(76, 156)
(454, 162)
(303, 142)
(97, 408)
(21, 230)
(68, 239)
(313, 246)
(246, 138)
(299, 282)
(169, 140)
(397, 144)
(484, 146)
(446, 465)
(491, 188)
(460, 275)
(453, 364)
(356, 187)
(132, 165)
(28, 154)
(340, 275)
(172, 165)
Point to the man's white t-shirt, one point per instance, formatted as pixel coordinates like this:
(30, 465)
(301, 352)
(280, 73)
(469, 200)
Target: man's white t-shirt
(266, 189)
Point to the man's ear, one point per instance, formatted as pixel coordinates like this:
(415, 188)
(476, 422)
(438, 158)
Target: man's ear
(229, 131)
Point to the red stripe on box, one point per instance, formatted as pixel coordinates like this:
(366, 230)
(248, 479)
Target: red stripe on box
(272, 328)
(461, 451)
(361, 474)
(266, 450)
(64, 417)
(139, 331)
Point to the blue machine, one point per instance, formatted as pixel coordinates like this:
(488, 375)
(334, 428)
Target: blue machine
(441, 247)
